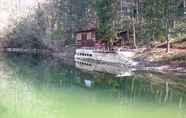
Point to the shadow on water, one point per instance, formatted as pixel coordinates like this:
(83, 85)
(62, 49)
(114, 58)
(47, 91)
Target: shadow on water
(47, 72)
(41, 86)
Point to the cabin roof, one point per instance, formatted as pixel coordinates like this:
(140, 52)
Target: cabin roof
(88, 30)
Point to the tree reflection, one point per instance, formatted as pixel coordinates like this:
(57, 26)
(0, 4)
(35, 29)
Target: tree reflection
(145, 86)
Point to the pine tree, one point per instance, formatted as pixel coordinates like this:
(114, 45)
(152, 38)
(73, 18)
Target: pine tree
(106, 13)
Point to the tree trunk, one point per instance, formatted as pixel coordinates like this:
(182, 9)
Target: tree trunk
(153, 36)
(174, 23)
(168, 42)
(134, 33)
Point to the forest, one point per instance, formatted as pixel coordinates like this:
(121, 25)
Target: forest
(93, 58)
(52, 23)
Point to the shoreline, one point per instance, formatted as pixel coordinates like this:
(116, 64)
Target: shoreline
(143, 64)
(144, 67)
(157, 59)
(161, 68)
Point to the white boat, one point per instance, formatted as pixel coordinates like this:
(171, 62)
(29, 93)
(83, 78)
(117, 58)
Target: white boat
(124, 57)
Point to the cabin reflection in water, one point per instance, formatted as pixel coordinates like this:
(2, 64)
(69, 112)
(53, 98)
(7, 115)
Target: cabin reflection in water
(116, 69)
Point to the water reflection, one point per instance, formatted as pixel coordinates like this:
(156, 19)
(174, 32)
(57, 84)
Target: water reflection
(34, 86)
(88, 83)
(117, 69)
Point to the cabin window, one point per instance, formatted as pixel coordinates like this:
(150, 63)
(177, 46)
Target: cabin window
(84, 36)
(93, 35)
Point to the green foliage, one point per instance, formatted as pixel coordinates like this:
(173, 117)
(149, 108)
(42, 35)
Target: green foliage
(106, 34)
(61, 18)
(29, 33)
(155, 16)
(180, 11)
(71, 15)
(58, 34)
(159, 16)
(105, 10)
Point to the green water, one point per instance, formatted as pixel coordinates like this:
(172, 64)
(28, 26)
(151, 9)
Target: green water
(39, 87)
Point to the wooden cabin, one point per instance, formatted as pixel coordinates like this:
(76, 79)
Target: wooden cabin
(124, 39)
(86, 38)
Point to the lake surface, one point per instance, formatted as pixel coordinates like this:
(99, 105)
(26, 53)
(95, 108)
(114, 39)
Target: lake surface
(33, 86)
